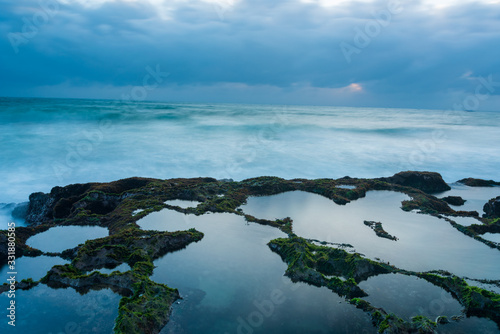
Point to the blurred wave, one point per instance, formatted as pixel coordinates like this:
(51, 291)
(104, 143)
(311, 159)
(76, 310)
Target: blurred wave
(49, 142)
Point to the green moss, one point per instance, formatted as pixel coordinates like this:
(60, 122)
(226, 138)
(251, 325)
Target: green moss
(138, 256)
(391, 323)
(377, 317)
(360, 303)
(144, 268)
(309, 263)
(148, 306)
(476, 301)
(145, 311)
(423, 324)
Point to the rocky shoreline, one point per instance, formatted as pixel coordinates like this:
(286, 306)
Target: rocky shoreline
(145, 304)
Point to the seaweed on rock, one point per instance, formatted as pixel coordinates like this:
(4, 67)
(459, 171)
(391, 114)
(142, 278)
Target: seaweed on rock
(477, 301)
(390, 323)
(145, 304)
(312, 264)
(379, 230)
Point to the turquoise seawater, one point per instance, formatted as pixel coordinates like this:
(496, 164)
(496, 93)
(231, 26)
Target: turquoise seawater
(49, 142)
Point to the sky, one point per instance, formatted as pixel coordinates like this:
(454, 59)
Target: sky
(408, 54)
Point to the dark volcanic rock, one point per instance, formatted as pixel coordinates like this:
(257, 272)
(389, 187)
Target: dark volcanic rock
(3, 247)
(454, 200)
(379, 230)
(60, 203)
(492, 208)
(471, 182)
(109, 252)
(20, 210)
(23, 285)
(428, 182)
(39, 209)
(121, 283)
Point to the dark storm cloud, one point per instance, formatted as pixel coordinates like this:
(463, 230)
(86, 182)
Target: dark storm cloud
(418, 55)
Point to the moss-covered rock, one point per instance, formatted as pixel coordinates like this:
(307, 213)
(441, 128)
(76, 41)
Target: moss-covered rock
(492, 208)
(25, 284)
(379, 230)
(146, 304)
(454, 200)
(476, 301)
(428, 182)
(60, 202)
(147, 311)
(131, 246)
(390, 323)
(315, 264)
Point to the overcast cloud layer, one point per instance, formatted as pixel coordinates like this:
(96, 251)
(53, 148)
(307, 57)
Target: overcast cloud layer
(413, 54)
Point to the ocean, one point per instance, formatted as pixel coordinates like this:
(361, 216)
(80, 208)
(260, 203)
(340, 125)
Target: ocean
(50, 142)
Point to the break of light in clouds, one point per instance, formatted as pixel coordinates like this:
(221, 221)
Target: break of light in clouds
(416, 54)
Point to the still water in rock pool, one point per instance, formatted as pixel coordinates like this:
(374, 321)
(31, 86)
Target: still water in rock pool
(33, 267)
(182, 203)
(424, 242)
(60, 238)
(121, 268)
(409, 296)
(495, 237)
(475, 197)
(231, 282)
(46, 310)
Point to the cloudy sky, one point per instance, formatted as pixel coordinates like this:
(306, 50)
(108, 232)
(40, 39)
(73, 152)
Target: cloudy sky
(415, 54)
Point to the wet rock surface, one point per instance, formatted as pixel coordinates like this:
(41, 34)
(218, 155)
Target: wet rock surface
(454, 200)
(145, 305)
(428, 182)
(492, 208)
(379, 230)
(60, 202)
